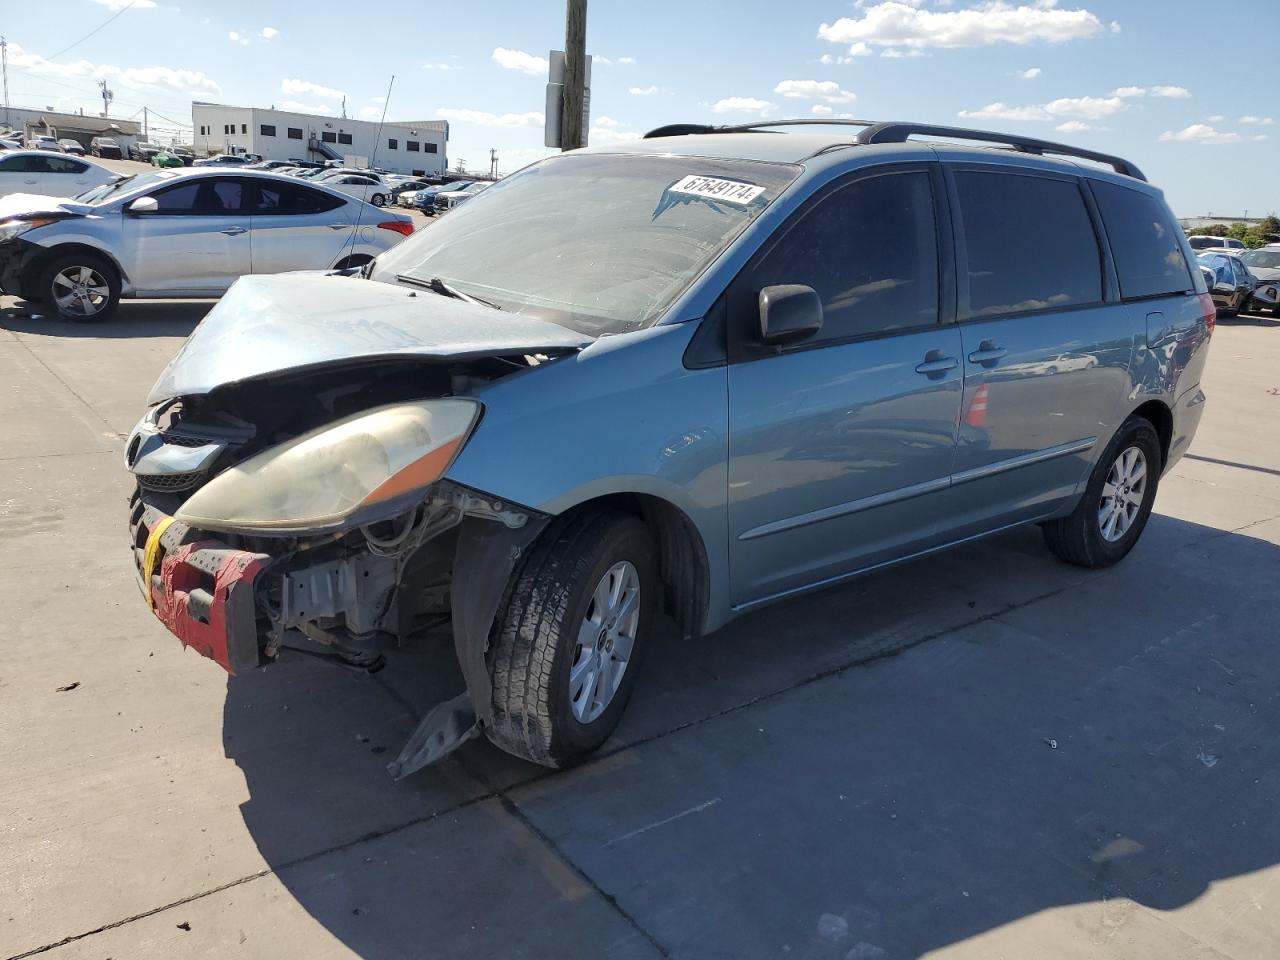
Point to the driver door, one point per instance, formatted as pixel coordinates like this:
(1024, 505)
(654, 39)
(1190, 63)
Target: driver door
(196, 243)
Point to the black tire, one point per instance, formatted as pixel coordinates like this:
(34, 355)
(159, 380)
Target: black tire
(1078, 539)
(536, 637)
(68, 261)
(379, 200)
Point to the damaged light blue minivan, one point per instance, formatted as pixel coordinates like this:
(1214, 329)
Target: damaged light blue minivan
(696, 373)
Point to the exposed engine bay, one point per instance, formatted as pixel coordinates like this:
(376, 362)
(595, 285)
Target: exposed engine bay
(245, 597)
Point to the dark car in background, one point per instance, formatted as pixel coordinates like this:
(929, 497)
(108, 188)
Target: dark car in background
(71, 146)
(143, 151)
(105, 147)
(1264, 263)
(1233, 285)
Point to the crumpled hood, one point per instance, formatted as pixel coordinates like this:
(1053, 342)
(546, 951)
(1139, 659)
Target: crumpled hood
(290, 322)
(18, 204)
(1268, 274)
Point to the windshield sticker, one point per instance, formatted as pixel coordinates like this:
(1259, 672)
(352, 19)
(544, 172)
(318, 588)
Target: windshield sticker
(713, 188)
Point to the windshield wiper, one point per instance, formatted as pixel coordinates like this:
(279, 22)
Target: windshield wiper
(445, 289)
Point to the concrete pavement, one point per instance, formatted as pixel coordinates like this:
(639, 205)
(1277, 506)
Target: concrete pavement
(983, 754)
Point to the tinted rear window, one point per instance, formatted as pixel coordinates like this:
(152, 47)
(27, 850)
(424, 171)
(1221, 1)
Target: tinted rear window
(1030, 243)
(1145, 242)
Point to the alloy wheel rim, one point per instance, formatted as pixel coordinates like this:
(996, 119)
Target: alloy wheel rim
(605, 642)
(1122, 494)
(80, 291)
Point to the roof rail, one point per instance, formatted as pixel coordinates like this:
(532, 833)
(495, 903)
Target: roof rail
(875, 131)
(898, 132)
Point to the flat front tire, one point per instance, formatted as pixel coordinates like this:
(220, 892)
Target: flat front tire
(568, 643)
(1113, 512)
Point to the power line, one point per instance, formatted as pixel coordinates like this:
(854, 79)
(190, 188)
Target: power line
(93, 31)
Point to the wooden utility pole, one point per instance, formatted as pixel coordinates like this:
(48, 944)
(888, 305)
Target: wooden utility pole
(575, 74)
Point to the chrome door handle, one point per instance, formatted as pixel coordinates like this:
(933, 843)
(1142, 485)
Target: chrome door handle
(339, 226)
(234, 231)
(935, 363)
(987, 354)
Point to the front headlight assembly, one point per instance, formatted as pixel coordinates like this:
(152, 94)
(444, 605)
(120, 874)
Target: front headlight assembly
(356, 470)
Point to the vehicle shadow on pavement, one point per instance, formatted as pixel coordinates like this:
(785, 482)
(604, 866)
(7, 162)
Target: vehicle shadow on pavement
(1250, 320)
(133, 318)
(878, 770)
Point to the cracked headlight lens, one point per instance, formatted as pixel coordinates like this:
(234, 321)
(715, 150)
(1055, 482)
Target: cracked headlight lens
(322, 478)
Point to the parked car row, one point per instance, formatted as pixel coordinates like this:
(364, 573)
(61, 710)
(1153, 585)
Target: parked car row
(41, 172)
(166, 233)
(1242, 281)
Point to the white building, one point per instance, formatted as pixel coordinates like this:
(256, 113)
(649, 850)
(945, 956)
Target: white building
(416, 148)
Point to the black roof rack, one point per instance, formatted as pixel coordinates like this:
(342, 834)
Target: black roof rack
(899, 131)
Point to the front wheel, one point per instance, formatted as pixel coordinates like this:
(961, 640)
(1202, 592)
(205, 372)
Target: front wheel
(1113, 512)
(379, 200)
(567, 647)
(80, 287)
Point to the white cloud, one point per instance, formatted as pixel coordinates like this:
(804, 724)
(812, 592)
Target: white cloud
(606, 122)
(519, 60)
(1256, 121)
(306, 87)
(268, 33)
(742, 105)
(642, 91)
(897, 53)
(1073, 126)
(155, 79)
(1200, 133)
(120, 4)
(827, 91)
(855, 50)
(371, 113)
(299, 107)
(1030, 73)
(1129, 92)
(821, 110)
(1087, 108)
(236, 38)
(899, 24)
(1260, 136)
(601, 134)
(1173, 93)
(484, 119)
(1217, 118)
(440, 66)
(1003, 111)
(626, 61)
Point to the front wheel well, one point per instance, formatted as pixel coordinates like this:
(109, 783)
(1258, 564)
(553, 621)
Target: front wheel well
(35, 268)
(1159, 416)
(682, 557)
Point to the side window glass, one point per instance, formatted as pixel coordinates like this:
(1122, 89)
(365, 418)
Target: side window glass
(1029, 241)
(178, 199)
(1145, 241)
(38, 165)
(62, 165)
(224, 197)
(870, 250)
(288, 200)
(204, 197)
(13, 165)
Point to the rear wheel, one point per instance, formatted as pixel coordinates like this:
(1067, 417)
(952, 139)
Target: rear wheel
(1117, 502)
(80, 287)
(568, 643)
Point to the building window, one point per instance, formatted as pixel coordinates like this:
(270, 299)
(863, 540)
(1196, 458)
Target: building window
(228, 128)
(344, 138)
(267, 130)
(393, 144)
(433, 148)
(244, 128)
(419, 173)
(328, 136)
(295, 133)
(412, 146)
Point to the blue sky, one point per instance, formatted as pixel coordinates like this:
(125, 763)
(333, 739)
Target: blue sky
(1142, 78)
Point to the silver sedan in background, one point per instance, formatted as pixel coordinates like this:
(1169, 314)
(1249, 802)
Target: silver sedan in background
(180, 234)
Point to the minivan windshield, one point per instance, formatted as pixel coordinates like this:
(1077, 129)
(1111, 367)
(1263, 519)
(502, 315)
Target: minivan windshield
(599, 243)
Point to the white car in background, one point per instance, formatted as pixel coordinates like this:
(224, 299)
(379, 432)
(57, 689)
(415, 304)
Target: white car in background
(363, 186)
(451, 198)
(171, 233)
(49, 175)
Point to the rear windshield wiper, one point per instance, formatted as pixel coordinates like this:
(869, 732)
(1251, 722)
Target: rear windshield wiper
(445, 289)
